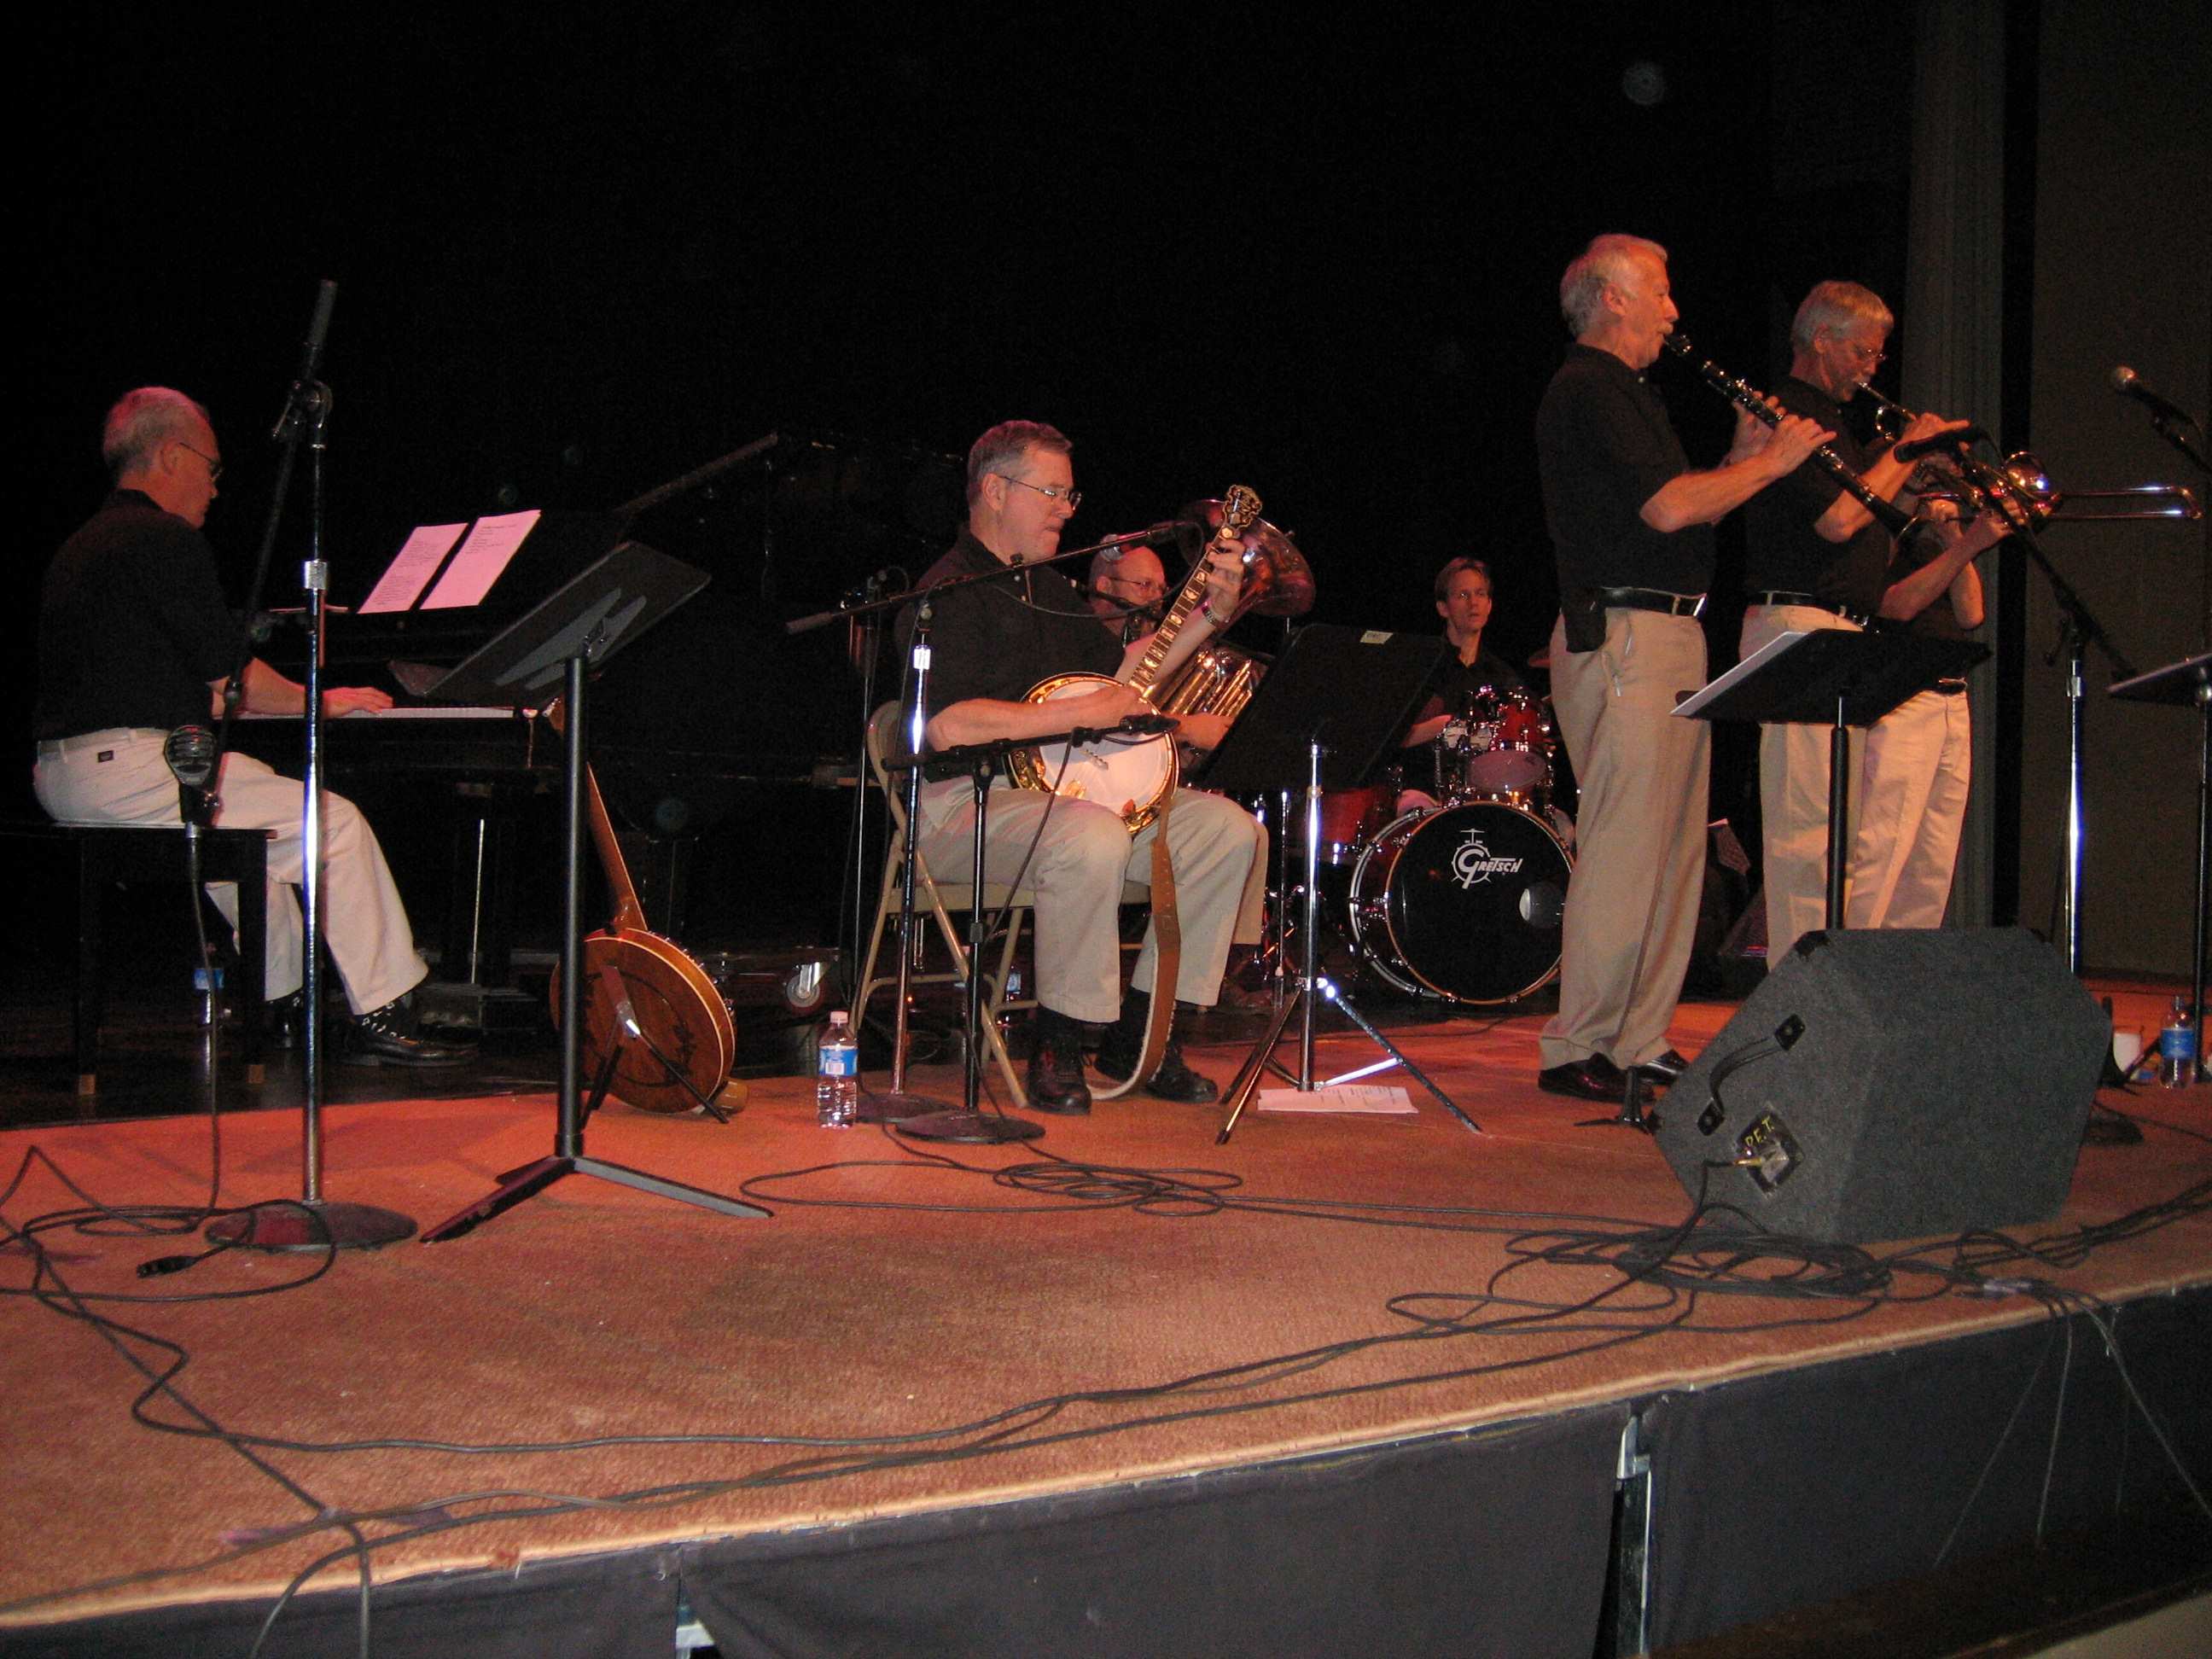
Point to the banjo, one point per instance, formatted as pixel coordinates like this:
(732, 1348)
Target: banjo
(1132, 778)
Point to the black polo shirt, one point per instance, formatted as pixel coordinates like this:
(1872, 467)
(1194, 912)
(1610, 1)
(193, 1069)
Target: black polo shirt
(1605, 446)
(1938, 621)
(997, 639)
(131, 624)
(1784, 551)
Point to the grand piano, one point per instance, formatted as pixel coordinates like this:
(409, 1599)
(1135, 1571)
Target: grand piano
(726, 749)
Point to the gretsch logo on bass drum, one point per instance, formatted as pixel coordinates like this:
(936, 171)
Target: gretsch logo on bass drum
(1473, 862)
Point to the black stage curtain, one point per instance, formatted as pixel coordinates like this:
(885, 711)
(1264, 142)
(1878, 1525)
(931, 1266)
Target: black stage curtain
(611, 1606)
(1479, 1543)
(1811, 1484)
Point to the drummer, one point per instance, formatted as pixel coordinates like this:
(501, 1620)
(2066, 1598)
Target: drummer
(1463, 601)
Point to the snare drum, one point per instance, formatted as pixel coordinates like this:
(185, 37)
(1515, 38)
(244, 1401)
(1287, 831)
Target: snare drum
(1465, 904)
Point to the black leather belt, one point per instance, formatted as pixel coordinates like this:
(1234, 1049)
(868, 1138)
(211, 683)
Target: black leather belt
(1777, 596)
(1950, 687)
(1652, 599)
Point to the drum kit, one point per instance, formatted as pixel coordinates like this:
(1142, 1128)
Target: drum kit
(1460, 898)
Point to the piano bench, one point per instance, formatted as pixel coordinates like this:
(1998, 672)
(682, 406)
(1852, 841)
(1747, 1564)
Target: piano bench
(104, 854)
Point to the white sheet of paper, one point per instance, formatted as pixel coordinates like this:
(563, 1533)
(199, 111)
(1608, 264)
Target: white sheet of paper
(1347, 1098)
(482, 557)
(418, 556)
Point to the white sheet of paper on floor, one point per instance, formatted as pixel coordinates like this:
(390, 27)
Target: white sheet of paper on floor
(1349, 1097)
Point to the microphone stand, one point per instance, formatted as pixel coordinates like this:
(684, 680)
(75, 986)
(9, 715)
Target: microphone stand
(895, 1104)
(311, 1223)
(970, 1123)
(2078, 629)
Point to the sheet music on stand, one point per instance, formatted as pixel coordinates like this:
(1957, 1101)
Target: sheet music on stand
(1797, 678)
(1352, 689)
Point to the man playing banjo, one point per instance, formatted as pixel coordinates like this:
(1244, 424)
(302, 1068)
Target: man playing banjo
(992, 643)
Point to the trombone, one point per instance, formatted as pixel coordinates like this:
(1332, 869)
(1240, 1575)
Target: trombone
(2020, 484)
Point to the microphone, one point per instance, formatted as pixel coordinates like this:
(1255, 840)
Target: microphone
(1965, 437)
(1166, 530)
(311, 359)
(191, 753)
(2128, 384)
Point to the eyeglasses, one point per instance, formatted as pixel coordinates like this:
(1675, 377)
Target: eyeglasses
(1871, 357)
(1136, 584)
(214, 466)
(1073, 497)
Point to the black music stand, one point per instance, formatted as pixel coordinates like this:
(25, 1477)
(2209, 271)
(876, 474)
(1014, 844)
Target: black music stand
(1838, 678)
(2188, 684)
(585, 622)
(1330, 709)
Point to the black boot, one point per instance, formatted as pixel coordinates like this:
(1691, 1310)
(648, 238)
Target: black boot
(1055, 1081)
(1124, 1047)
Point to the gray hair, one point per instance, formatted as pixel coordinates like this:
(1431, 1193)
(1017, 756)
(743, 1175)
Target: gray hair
(1607, 259)
(141, 422)
(1005, 445)
(1837, 306)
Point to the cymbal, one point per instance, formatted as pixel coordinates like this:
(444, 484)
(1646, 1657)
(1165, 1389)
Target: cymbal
(1278, 582)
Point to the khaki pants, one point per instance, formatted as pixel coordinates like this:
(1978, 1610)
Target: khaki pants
(1631, 911)
(1919, 764)
(1083, 854)
(364, 924)
(1793, 794)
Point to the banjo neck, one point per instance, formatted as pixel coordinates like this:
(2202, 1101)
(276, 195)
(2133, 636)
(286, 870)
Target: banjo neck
(1240, 509)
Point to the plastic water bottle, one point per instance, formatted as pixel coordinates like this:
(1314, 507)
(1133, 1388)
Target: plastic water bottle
(2177, 1047)
(837, 1075)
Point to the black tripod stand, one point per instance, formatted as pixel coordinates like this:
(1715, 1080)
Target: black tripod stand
(1325, 715)
(581, 624)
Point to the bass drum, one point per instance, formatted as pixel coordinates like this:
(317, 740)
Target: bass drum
(1463, 904)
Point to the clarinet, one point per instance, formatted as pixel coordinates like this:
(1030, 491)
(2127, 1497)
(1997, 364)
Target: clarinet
(1890, 517)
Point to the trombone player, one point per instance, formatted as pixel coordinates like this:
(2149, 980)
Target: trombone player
(1816, 558)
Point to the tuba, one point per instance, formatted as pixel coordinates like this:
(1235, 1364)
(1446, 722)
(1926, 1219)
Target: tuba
(1278, 582)
(1218, 680)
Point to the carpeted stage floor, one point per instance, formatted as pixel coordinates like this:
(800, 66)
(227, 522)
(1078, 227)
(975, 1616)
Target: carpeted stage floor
(913, 1330)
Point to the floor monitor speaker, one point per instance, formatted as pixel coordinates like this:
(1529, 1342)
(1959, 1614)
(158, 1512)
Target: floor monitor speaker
(1894, 1083)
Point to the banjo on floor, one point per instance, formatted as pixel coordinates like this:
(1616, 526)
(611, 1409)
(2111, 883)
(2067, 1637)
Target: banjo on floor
(1132, 778)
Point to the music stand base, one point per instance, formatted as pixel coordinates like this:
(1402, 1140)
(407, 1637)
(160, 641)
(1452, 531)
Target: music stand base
(316, 1225)
(1632, 1115)
(531, 1179)
(896, 1106)
(976, 1128)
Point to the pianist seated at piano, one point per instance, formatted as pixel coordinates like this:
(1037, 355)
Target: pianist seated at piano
(135, 641)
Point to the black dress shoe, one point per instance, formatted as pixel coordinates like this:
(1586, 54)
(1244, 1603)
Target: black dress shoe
(1054, 1084)
(1122, 1049)
(381, 1037)
(1665, 1068)
(1176, 1081)
(1595, 1079)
